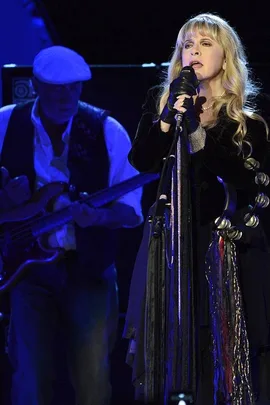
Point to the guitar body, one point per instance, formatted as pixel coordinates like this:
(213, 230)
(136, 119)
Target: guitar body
(19, 248)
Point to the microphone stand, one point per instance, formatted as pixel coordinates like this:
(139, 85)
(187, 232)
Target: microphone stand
(160, 282)
(165, 178)
(181, 350)
(185, 347)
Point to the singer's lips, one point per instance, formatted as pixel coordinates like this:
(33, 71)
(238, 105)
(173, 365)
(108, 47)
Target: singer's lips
(195, 62)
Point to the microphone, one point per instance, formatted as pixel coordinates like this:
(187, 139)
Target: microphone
(187, 84)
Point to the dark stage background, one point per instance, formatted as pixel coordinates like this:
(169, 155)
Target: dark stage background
(116, 39)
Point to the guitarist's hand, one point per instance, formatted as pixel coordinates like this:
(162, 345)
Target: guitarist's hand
(115, 216)
(14, 191)
(85, 216)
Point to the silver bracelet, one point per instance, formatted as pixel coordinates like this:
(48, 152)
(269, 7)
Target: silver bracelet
(197, 140)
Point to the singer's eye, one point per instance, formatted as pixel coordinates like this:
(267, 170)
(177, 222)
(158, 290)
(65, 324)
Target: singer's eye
(188, 45)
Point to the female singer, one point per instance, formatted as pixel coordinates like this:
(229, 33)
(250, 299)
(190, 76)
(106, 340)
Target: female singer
(222, 317)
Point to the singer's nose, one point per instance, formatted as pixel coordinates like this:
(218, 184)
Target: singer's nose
(195, 52)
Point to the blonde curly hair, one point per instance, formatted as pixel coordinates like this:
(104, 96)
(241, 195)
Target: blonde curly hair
(236, 80)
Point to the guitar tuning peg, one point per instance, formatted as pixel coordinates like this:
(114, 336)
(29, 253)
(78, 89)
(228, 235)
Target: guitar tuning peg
(262, 178)
(262, 200)
(83, 194)
(251, 221)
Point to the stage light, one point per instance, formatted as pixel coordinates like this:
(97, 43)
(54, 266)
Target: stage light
(181, 398)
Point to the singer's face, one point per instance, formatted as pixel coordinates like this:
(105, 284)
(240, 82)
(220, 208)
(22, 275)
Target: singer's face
(204, 54)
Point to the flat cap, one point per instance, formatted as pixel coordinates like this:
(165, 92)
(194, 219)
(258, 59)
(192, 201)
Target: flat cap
(60, 65)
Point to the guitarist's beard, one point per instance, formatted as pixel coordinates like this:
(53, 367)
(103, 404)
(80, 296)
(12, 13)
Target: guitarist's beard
(56, 119)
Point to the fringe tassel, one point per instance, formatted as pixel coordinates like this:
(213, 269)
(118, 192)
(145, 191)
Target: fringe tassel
(232, 379)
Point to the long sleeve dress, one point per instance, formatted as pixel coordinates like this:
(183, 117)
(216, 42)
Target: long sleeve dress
(218, 159)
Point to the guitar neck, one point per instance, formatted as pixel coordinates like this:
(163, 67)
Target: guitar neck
(51, 221)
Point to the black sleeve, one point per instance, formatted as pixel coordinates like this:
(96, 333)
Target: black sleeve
(150, 144)
(222, 158)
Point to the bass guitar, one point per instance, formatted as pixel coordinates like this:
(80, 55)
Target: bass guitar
(23, 228)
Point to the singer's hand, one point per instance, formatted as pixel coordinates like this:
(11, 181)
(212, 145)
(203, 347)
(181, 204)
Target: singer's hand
(182, 103)
(185, 84)
(169, 112)
(185, 105)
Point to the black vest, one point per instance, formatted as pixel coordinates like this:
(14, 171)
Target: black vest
(88, 164)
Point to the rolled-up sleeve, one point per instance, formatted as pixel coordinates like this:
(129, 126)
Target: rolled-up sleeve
(118, 145)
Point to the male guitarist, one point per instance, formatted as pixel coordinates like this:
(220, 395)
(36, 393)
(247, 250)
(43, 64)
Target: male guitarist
(58, 138)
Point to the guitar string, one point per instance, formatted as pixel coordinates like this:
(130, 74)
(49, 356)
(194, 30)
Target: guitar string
(26, 226)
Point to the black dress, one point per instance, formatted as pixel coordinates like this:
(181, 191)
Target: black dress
(220, 158)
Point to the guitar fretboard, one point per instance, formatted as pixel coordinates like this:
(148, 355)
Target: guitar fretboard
(51, 221)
